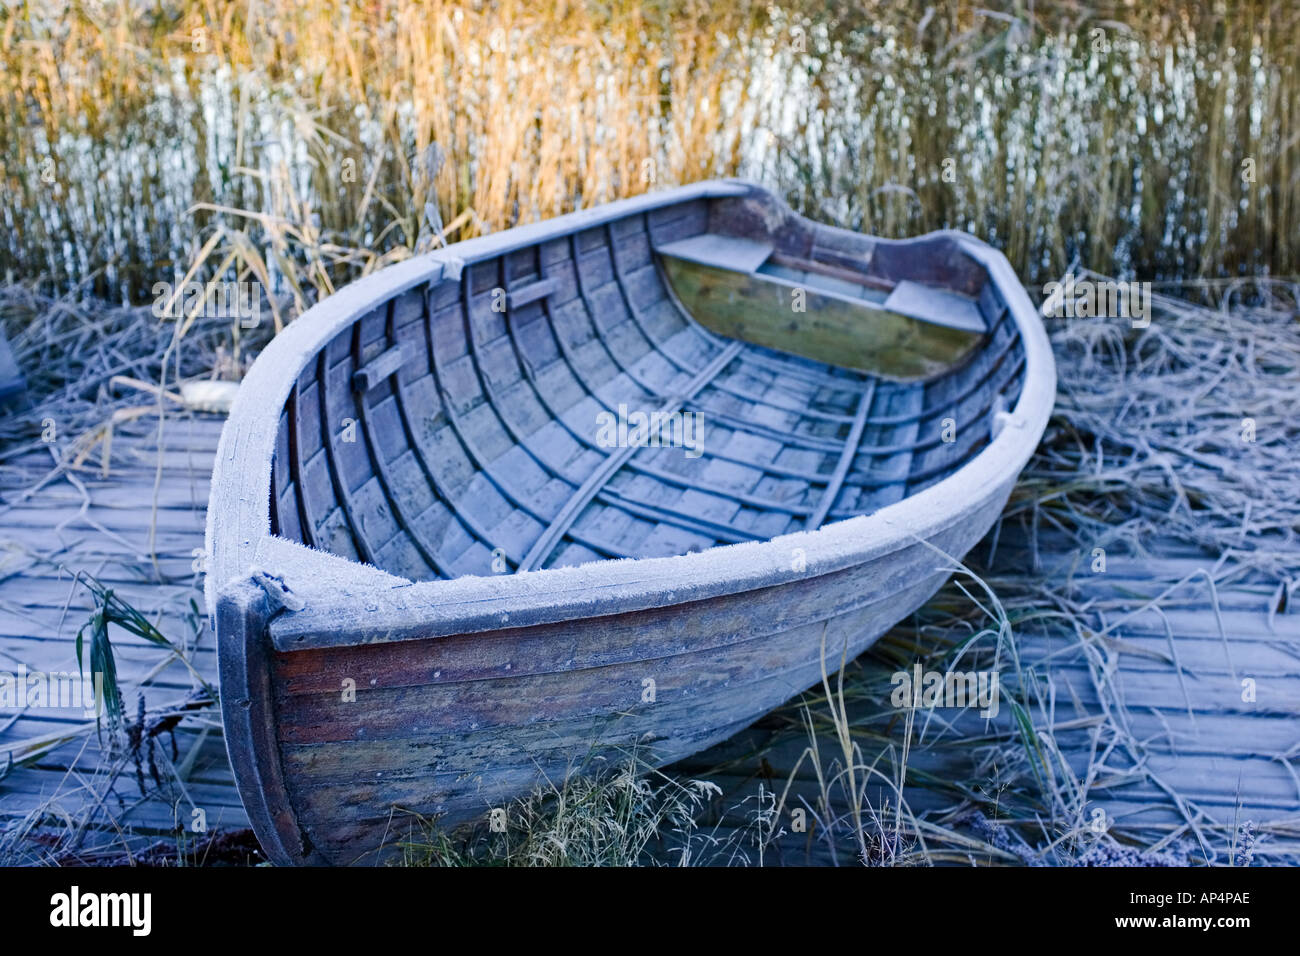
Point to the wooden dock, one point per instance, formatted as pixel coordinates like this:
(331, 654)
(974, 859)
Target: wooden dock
(78, 794)
(1170, 714)
(1147, 729)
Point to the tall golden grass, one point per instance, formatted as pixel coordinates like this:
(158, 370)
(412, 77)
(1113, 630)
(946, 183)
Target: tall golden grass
(308, 128)
(303, 142)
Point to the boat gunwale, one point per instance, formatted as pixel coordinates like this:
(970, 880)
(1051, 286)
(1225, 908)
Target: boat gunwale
(349, 603)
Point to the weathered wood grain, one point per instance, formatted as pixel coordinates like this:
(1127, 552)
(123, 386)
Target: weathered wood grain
(101, 526)
(851, 334)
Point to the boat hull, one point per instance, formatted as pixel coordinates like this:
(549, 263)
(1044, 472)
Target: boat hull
(454, 727)
(362, 700)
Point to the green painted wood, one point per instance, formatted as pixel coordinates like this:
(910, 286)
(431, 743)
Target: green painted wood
(851, 335)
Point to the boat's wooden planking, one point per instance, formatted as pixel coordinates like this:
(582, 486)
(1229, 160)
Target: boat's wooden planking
(444, 425)
(458, 725)
(457, 429)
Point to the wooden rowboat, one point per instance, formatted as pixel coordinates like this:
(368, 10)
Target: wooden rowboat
(616, 481)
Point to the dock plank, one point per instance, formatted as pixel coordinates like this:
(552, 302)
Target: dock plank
(83, 790)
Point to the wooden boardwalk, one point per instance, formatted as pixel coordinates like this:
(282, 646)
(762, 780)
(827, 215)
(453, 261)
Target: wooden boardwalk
(100, 524)
(1147, 726)
(1143, 717)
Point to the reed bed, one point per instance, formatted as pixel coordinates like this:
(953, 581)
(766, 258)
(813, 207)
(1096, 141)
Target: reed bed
(302, 144)
(324, 140)
(92, 366)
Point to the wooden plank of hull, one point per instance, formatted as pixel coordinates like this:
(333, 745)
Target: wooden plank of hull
(610, 639)
(686, 689)
(506, 702)
(464, 772)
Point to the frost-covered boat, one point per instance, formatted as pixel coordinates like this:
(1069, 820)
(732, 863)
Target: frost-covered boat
(618, 480)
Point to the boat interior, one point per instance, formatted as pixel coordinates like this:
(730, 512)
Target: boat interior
(693, 376)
